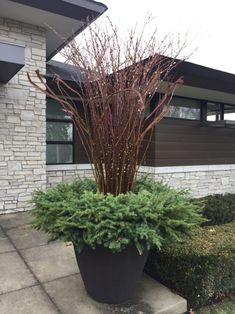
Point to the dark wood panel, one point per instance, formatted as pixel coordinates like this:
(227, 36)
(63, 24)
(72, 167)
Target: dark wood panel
(196, 130)
(192, 162)
(189, 138)
(194, 146)
(188, 154)
(184, 142)
(80, 156)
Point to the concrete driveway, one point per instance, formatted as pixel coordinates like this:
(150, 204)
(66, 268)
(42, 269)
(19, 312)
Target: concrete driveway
(41, 278)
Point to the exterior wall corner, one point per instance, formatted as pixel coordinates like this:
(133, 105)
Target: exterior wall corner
(22, 122)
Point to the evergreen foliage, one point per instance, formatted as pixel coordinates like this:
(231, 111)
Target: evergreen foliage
(147, 217)
(200, 268)
(219, 208)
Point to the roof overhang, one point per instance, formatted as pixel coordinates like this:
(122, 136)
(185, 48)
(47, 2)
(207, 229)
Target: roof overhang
(66, 72)
(205, 94)
(200, 82)
(63, 19)
(199, 76)
(12, 58)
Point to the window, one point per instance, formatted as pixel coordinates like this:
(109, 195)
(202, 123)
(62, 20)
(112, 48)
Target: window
(208, 112)
(229, 113)
(183, 108)
(214, 112)
(59, 135)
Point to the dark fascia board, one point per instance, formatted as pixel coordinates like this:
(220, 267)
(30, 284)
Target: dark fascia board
(69, 8)
(203, 77)
(67, 72)
(12, 59)
(194, 75)
(82, 10)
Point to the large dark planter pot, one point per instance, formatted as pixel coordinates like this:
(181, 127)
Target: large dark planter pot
(110, 277)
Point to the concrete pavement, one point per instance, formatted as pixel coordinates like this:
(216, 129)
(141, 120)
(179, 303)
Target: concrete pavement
(41, 278)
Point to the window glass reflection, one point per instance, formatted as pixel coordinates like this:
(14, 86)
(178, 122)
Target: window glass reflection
(59, 131)
(183, 108)
(213, 112)
(229, 113)
(59, 154)
(54, 110)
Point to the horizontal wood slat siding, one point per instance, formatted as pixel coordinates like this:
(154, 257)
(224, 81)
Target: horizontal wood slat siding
(183, 142)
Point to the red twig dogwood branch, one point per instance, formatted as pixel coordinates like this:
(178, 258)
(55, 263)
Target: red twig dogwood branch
(116, 82)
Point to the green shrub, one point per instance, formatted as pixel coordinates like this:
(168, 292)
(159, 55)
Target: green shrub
(76, 212)
(219, 209)
(201, 267)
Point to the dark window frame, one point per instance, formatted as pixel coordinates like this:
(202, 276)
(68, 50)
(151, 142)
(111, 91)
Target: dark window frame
(203, 111)
(188, 98)
(182, 97)
(202, 121)
(64, 120)
(222, 122)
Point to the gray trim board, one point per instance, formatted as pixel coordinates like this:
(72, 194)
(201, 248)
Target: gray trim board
(67, 8)
(194, 75)
(81, 10)
(12, 59)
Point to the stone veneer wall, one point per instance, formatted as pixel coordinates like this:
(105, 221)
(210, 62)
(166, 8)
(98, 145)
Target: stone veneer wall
(200, 180)
(66, 173)
(22, 121)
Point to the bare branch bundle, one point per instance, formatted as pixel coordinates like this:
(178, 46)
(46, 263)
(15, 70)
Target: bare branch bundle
(116, 82)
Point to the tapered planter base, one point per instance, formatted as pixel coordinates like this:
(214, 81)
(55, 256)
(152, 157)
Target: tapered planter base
(110, 277)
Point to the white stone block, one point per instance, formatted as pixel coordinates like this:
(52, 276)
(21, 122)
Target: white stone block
(14, 165)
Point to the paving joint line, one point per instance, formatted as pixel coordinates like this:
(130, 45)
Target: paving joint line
(35, 277)
(18, 226)
(6, 252)
(15, 227)
(59, 278)
(32, 247)
(11, 291)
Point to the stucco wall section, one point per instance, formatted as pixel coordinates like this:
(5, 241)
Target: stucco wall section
(199, 180)
(22, 122)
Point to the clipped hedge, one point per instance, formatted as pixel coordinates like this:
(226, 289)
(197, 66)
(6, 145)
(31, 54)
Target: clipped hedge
(200, 268)
(219, 208)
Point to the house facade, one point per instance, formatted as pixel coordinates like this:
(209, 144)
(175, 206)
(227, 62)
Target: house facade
(28, 39)
(193, 146)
